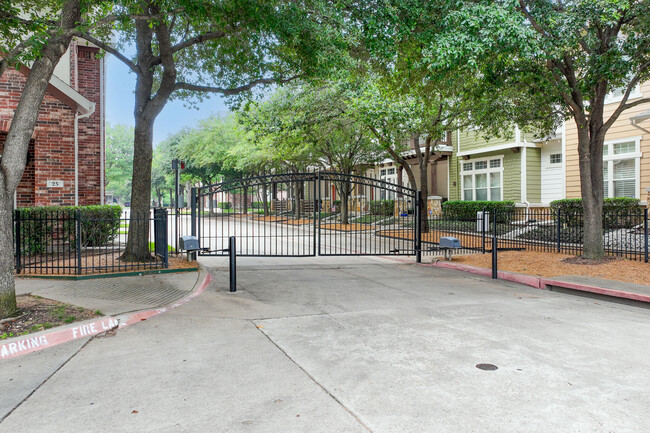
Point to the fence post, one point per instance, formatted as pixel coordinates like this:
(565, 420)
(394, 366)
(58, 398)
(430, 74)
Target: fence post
(559, 227)
(483, 224)
(645, 232)
(495, 245)
(18, 242)
(78, 239)
(232, 255)
(193, 216)
(317, 209)
(418, 227)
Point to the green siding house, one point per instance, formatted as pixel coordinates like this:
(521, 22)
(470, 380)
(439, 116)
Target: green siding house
(499, 169)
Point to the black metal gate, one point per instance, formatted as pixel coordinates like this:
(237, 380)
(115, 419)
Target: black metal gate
(306, 214)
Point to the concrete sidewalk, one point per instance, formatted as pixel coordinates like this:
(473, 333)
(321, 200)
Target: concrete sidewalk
(333, 344)
(114, 295)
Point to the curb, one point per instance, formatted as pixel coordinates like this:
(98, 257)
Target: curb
(44, 340)
(542, 282)
(112, 275)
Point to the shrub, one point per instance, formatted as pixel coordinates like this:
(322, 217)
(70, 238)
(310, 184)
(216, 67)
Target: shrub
(257, 205)
(41, 227)
(461, 210)
(382, 207)
(224, 205)
(620, 212)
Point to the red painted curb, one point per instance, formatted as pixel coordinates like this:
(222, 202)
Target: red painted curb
(34, 343)
(543, 283)
(527, 280)
(593, 289)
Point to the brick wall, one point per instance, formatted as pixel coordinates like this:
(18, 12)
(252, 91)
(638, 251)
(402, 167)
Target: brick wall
(51, 154)
(89, 128)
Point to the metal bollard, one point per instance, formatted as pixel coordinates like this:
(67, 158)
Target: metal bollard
(232, 254)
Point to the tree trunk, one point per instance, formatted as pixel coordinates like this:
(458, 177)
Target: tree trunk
(14, 158)
(344, 191)
(424, 189)
(265, 199)
(7, 286)
(137, 246)
(590, 151)
(296, 199)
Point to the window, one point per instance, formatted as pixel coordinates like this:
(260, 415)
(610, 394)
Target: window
(616, 95)
(387, 175)
(480, 182)
(621, 164)
(556, 158)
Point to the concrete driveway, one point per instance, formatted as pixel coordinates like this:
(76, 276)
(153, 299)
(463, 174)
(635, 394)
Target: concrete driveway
(348, 345)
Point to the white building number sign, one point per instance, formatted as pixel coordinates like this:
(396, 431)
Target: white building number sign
(55, 184)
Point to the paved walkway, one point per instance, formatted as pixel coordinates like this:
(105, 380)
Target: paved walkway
(347, 345)
(113, 295)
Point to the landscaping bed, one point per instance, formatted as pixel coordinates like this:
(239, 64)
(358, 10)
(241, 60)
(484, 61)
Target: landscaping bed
(543, 264)
(37, 314)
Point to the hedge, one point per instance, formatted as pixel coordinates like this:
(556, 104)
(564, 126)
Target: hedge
(224, 205)
(43, 226)
(382, 207)
(466, 210)
(619, 212)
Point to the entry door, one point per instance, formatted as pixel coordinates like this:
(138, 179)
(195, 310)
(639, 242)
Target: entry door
(552, 172)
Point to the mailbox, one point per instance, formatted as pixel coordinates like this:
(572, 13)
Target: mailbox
(188, 243)
(449, 242)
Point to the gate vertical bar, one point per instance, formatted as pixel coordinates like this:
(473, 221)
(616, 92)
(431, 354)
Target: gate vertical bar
(483, 224)
(78, 240)
(232, 255)
(193, 212)
(18, 252)
(495, 245)
(645, 232)
(418, 227)
(317, 212)
(559, 227)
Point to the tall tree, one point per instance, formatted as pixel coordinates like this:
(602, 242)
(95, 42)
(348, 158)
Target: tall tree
(56, 38)
(226, 47)
(316, 119)
(119, 161)
(563, 57)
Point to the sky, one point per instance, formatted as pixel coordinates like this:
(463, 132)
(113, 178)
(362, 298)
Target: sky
(120, 85)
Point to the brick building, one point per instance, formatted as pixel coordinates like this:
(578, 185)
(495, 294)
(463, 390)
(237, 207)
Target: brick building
(65, 162)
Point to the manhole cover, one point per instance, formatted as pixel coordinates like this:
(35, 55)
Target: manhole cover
(487, 367)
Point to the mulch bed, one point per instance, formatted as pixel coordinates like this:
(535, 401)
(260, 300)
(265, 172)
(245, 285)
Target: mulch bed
(299, 222)
(96, 265)
(347, 227)
(543, 264)
(36, 314)
(270, 218)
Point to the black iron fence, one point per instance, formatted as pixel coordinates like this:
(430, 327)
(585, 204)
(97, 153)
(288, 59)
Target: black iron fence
(72, 243)
(625, 232)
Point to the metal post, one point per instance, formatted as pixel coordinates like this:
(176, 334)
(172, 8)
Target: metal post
(193, 215)
(175, 166)
(495, 246)
(483, 229)
(645, 232)
(232, 253)
(317, 209)
(18, 235)
(559, 227)
(418, 227)
(78, 240)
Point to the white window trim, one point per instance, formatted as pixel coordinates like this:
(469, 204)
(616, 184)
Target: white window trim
(610, 158)
(634, 94)
(464, 172)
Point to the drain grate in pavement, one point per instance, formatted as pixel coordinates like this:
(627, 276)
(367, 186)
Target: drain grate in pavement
(487, 367)
(153, 294)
